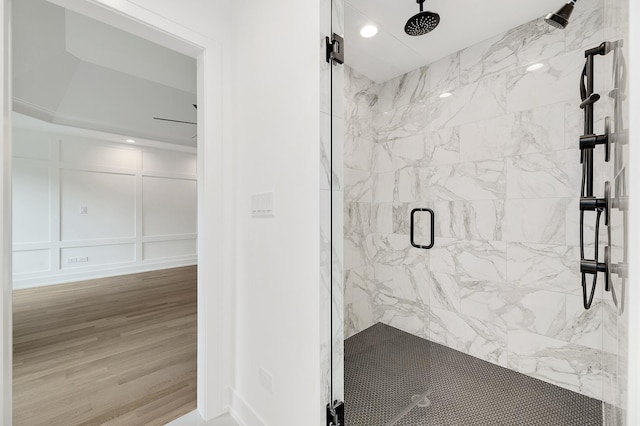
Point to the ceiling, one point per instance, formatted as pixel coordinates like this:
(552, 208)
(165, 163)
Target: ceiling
(69, 69)
(463, 23)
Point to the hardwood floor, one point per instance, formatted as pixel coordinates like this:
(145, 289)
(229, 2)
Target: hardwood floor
(112, 351)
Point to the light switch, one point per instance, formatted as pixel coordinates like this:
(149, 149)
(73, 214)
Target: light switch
(83, 209)
(262, 205)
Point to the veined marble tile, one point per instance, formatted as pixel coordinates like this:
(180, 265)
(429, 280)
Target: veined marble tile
(486, 139)
(538, 311)
(357, 218)
(523, 45)
(359, 303)
(484, 300)
(393, 250)
(477, 101)
(571, 366)
(536, 220)
(481, 180)
(583, 326)
(408, 152)
(486, 340)
(404, 90)
(443, 146)
(444, 291)
(544, 175)
(382, 218)
(470, 260)
(445, 74)
(556, 82)
(355, 252)
(543, 266)
(361, 94)
(411, 282)
(358, 185)
(537, 130)
(405, 315)
(586, 29)
(359, 152)
(420, 150)
(383, 158)
(474, 220)
(384, 187)
(404, 121)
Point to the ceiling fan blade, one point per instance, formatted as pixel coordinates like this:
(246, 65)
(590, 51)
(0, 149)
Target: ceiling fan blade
(174, 121)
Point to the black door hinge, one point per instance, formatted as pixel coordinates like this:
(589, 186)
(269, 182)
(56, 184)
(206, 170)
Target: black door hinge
(335, 414)
(335, 49)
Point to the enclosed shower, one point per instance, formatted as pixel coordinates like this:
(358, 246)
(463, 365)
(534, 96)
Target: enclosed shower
(479, 214)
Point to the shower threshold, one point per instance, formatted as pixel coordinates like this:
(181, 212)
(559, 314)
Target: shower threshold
(395, 378)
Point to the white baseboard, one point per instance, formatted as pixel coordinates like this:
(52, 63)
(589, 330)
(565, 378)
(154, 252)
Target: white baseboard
(243, 413)
(107, 271)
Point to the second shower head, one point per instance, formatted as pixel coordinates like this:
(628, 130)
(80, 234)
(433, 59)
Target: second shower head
(560, 19)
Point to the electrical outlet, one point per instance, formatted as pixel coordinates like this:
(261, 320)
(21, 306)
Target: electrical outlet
(72, 260)
(83, 209)
(266, 379)
(83, 259)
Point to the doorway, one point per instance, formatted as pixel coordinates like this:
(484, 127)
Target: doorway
(214, 223)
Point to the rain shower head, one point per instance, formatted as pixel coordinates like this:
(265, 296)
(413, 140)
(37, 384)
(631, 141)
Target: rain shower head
(560, 19)
(422, 23)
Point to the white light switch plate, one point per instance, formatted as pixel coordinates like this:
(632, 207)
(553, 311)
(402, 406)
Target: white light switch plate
(262, 205)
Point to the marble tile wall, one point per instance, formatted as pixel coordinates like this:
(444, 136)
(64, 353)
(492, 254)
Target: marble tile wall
(498, 162)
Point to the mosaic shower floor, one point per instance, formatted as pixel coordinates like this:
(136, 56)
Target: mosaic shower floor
(388, 374)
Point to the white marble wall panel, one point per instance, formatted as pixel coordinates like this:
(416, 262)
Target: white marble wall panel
(565, 364)
(406, 89)
(484, 339)
(445, 74)
(556, 82)
(552, 174)
(539, 220)
(474, 220)
(523, 45)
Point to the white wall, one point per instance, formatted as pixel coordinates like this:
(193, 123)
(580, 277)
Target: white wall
(276, 134)
(140, 207)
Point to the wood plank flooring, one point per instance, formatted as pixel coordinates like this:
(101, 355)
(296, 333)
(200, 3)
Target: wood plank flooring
(112, 351)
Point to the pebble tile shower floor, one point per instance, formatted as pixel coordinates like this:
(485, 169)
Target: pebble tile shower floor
(387, 371)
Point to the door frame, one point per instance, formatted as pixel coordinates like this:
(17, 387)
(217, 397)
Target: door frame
(215, 199)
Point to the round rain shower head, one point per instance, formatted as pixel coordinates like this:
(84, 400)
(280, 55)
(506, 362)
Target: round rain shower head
(422, 23)
(560, 19)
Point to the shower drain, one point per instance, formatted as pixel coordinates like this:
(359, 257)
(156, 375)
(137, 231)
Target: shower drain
(422, 401)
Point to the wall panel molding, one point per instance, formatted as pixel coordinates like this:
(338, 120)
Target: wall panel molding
(96, 211)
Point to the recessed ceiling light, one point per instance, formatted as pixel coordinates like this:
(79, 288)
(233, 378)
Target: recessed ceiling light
(130, 141)
(446, 94)
(534, 67)
(369, 31)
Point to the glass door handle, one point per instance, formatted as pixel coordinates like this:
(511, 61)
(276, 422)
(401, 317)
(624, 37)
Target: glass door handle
(433, 223)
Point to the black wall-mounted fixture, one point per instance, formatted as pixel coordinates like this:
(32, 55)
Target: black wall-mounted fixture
(560, 19)
(588, 142)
